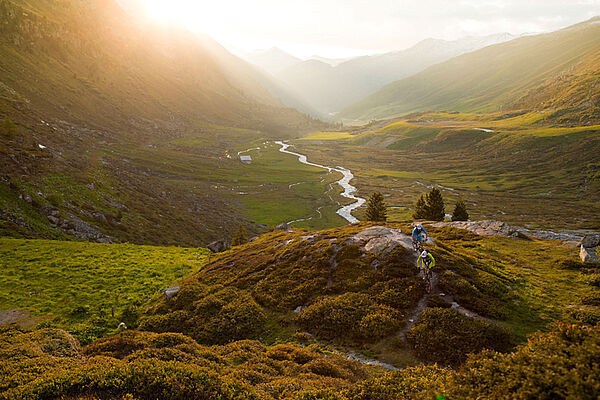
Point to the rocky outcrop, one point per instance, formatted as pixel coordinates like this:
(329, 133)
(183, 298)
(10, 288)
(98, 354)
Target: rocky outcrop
(381, 240)
(590, 249)
(218, 246)
(170, 292)
(590, 241)
(499, 228)
(589, 254)
(485, 227)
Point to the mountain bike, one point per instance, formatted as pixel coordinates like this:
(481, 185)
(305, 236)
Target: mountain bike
(418, 246)
(427, 279)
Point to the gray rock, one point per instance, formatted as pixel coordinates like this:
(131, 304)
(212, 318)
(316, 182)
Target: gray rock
(589, 254)
(27, 198)
(218, 246)
(381, 240)
(53, 220)
(483, 228)
(282, 227)
(49, 210)
(98, 216)
(171, 292)
(591, 241)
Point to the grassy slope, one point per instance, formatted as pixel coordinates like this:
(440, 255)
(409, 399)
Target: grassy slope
(490, 78)
(522, 284)
(527, 171)
(113, 100)
(197, 193)
(250, 292)
(78, 283)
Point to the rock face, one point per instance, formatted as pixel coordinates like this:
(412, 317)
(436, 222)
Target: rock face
(499, 228)
(170, 293)
(589, 254)
(218, 246)
(590, 241)
(379, 239)
(590, 249)
(485, 228)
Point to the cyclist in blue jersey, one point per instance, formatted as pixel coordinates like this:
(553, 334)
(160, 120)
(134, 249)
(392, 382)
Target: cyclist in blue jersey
(417, 235)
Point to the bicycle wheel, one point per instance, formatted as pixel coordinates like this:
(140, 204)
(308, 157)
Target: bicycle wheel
(427, 281)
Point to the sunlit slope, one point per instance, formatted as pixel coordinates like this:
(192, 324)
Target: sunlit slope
(103, 114)
(91, 62)
(491, 78)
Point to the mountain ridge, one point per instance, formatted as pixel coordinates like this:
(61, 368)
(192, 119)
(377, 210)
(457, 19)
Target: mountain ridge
(330, 88)
(485, 80)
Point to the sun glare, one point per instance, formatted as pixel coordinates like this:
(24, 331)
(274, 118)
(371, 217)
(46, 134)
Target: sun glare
(201, 16)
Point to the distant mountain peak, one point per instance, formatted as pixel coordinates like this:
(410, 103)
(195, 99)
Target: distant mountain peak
(272, 60)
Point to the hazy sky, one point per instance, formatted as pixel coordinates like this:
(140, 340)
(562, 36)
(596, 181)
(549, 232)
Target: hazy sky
(340, 28)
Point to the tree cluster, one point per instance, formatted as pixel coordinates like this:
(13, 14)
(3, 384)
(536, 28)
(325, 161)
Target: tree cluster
(430, 206)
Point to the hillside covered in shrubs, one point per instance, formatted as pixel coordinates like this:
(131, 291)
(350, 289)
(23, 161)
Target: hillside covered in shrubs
(49, 364)
(340, 314)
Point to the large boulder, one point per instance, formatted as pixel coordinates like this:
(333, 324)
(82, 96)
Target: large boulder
(381, 240)
(590, 241)
(170, 292)
(589, 254)
(218, 246)
(485, 228)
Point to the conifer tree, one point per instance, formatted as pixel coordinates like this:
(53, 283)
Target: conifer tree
(420, 208)
(435, 205)
(376, 208)
(460, 211)
(240, 237)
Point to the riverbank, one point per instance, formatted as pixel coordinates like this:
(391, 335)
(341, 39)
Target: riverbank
(349, 190)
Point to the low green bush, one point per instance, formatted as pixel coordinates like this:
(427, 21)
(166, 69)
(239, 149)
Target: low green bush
(350, 316)
(424, 382)
(593, 279)
(216, 319)
(561, 364)
(583, 315)
(446, 336)
(436, 301)
(592, 299)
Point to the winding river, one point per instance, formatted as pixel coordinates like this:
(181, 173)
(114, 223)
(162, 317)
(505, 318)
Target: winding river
(346, 211)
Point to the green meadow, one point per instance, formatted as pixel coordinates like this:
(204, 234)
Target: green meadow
(76, 285)
(522, 170)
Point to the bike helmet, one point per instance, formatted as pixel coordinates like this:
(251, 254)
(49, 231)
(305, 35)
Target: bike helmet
(420, 227)
(424, 254)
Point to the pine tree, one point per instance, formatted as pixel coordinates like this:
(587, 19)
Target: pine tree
(435, 205)
(240, 237)
(460, 211)
(420, 208)
(376, 208)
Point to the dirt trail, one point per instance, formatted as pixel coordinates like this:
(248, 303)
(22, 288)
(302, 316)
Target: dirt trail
(422, 305)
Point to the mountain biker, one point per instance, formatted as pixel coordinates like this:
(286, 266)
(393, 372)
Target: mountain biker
(417, 234)
(425, 260)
